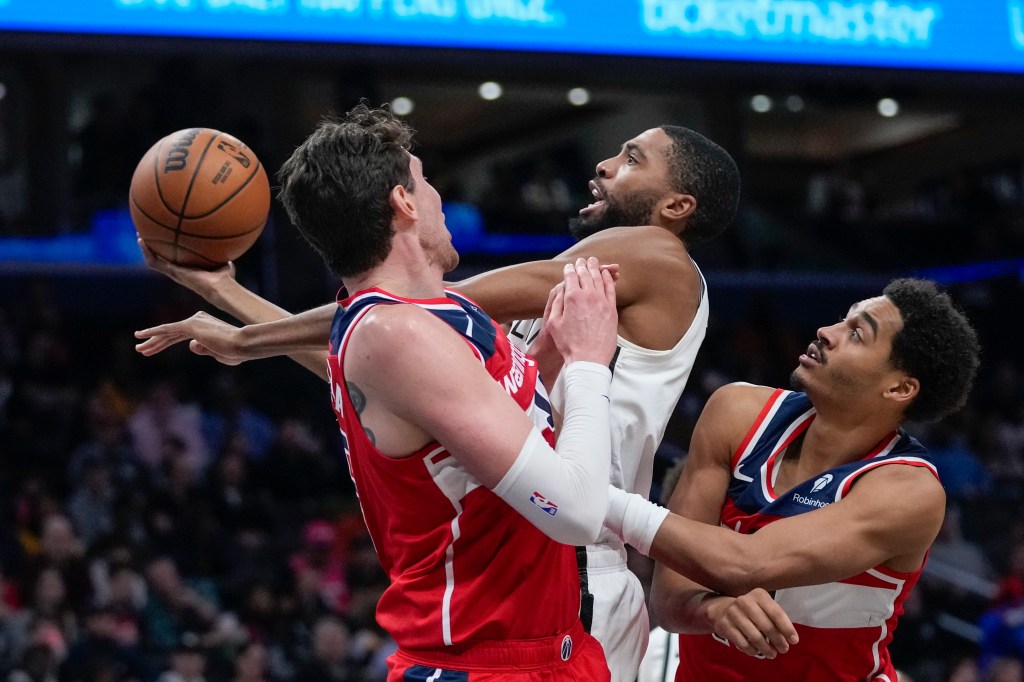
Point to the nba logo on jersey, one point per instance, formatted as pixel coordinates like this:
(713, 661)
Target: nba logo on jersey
(821, 483)
(546, 505)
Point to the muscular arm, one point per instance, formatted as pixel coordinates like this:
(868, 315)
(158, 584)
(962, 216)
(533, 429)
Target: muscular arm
(518, 292)
(892, 512)
(679, 604)
(419, 376)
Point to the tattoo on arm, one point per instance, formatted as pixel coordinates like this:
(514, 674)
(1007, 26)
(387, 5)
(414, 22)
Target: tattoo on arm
(359, 403)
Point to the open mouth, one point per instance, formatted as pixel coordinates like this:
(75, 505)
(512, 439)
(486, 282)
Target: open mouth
(813, 354)
(599, 198)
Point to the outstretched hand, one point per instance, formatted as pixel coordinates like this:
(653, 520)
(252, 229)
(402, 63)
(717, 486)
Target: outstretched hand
(197, 280)
(581, 317)
(754, 623)
(206, 336)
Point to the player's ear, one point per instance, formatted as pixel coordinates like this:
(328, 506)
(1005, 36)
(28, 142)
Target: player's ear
(678, 207)
(402, 203)
(904, 388)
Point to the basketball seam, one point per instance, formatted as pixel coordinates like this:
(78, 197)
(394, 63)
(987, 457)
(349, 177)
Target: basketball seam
(229, 197)
(188, 192)
(192, 234)
(185, 248)
(131, 195)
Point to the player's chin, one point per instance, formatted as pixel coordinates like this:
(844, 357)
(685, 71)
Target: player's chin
(798, 380)
(451, 261)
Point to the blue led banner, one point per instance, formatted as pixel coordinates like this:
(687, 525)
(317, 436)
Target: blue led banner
(970, 35)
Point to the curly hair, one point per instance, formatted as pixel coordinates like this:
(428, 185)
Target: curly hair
(335, 186)
(699, 167)
(937, 345)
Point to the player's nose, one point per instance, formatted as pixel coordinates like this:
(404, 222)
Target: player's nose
(827, 335)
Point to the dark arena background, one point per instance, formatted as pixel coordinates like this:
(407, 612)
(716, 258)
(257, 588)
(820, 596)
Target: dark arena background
(186, 511)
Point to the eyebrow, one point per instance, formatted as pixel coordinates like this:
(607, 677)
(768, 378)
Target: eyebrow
(634, 147)
(872, 322)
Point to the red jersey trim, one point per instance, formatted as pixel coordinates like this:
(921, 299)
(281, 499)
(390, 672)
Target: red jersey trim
(773, 401)
(770, 468)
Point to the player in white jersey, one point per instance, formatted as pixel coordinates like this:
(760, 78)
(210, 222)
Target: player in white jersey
(646, 385)
(667, 189)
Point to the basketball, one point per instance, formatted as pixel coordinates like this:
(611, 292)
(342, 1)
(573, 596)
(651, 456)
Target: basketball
(199, 198)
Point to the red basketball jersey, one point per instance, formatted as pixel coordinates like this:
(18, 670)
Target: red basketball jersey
(464, 566)
(844, 626)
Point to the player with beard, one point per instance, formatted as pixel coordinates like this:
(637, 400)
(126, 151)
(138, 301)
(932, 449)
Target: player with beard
(666, 190)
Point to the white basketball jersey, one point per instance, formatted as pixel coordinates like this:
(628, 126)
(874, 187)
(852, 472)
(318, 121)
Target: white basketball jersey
(646, 385)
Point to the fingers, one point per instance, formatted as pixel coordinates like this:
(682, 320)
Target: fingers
(589, 273)
(158, 343)
(613, 268)
(570, 276)
(757, 625)
(608, 279)
(160, 330)
(557, 301)
(551, 300)
(761, 633)
(587, 270)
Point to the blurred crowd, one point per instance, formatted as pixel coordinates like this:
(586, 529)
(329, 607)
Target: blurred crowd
(168, 519)
(156, 525)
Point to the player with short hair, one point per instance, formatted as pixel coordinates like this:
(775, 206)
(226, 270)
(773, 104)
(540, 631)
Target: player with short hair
(445, 424)
(806, 516)
(666, 190)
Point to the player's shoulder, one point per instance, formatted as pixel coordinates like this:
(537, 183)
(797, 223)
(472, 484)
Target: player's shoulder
(739, 398)
(399, 330)
(908, 478)
(638, 238)
(730, 411)
(900, 492)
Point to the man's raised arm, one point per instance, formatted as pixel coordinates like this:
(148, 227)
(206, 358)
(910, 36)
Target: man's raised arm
(304, 335)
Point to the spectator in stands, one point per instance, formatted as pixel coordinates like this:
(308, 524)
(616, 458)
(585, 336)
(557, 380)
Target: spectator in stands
(230, 418)
(175, 607)
(107, 412)
(61, 550)
(91, 508)
(187, 661)
(298, 470)
(1011, 584)
(318, 557)
(252, 664)
(38, 663)
(99, 651)
(163, 418)
(331, 650)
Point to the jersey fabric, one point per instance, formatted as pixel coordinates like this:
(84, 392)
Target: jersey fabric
(646, 386)
(465, 568)
(845, 626)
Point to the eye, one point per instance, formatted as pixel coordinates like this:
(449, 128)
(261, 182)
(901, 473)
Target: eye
(631, 160)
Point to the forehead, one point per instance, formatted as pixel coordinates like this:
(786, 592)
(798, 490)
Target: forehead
(883, 311)
(651, 140)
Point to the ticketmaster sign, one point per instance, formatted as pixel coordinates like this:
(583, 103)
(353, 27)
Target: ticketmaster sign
(971, 35)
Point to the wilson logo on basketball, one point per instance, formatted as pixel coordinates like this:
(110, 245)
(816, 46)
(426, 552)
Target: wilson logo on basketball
(177, 158)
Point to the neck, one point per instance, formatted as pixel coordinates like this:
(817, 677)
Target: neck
(405, 272)
(833, 440)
